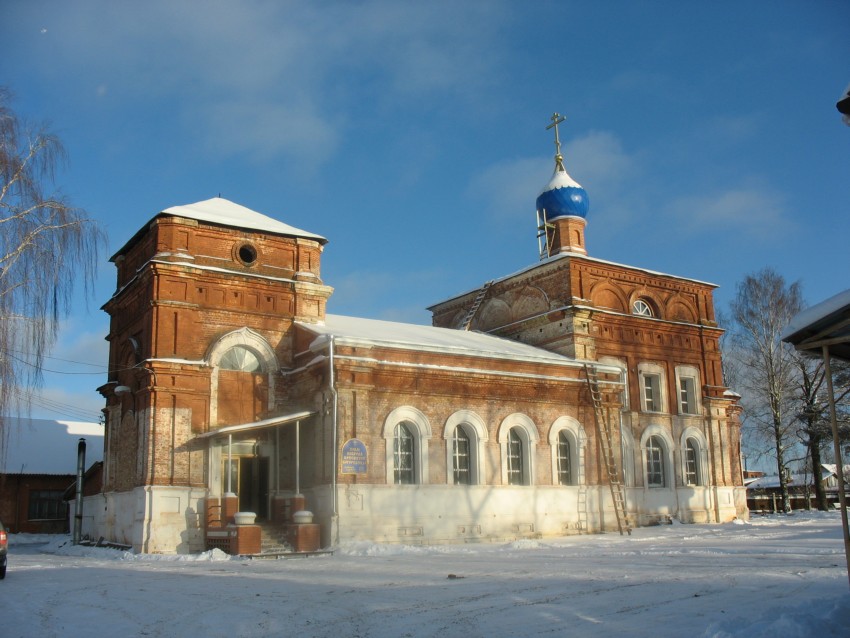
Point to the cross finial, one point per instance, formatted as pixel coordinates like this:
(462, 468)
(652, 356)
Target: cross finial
(557, 118)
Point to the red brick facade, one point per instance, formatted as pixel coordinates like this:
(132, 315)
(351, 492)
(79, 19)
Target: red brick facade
(219, 336)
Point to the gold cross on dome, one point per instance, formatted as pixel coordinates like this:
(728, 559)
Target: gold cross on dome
(557, 118)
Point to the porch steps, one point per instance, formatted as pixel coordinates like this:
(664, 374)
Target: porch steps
(273, 544)
(273, 539)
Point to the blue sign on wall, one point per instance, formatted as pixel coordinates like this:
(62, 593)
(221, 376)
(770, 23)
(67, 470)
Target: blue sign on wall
(354, 457)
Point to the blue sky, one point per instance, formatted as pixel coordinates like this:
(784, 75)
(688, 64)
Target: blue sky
(412, 135)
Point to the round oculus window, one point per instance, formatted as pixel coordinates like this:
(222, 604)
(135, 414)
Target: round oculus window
(247, 254)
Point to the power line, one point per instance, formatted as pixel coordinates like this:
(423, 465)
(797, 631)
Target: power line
(43, 369)
(82, 363)
(57, 407)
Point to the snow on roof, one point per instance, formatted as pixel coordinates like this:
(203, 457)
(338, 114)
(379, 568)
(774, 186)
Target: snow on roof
(354, 330)
(768, 482)
(45, 446)
(226, 213)
(832, 468)
(812, 315)
(222, 211)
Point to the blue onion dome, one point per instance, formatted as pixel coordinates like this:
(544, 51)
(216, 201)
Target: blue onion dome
(563, 197)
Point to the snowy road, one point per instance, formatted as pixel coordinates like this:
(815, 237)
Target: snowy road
(772, 577)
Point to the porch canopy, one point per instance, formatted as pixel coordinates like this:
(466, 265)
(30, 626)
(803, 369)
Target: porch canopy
(824, 330)
(230, 430)
(257, 425)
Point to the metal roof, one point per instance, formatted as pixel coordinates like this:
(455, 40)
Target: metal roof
(824, 324)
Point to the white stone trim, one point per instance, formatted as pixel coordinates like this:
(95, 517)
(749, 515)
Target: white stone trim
(667, 457)
(481, 436)
(529, 434)
(578, 444)
(421, 432)
(702, 458)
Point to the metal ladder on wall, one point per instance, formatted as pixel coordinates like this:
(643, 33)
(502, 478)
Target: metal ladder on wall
(581, 525)
(609, 459)
(479, 299)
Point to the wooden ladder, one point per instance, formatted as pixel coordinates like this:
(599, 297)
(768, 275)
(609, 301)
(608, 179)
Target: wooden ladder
(479, 299)
(609, 459)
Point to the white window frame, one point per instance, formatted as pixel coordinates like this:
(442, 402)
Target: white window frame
(641, 308)
(624, 368)
(577, 438)
(403, 436)
(653, 374)
(462, 471)
(420, 428)
(476, 429)
(656, 434)
(695, 436)
(527, 432)
(516, 457)
(685, 374)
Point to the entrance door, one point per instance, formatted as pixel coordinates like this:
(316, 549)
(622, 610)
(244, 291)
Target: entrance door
(249, 480)
(254, 485)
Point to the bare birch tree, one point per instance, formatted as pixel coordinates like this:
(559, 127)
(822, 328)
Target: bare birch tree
(814, 429)
(48, 249)
(763, 306)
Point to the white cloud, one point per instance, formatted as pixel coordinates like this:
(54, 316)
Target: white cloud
(509, 188)
(262, 79)
(263, 130)
(599, 162)
(751, 210)
(596, 160)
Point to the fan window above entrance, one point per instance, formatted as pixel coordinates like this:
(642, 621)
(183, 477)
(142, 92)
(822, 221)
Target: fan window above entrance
(241, 359)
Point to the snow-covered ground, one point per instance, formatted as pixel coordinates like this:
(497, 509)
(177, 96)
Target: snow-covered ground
(775, 576)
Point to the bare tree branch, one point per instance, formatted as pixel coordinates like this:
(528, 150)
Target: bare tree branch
(47, 249)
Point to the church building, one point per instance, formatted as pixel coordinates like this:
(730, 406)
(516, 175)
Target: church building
(575, 396)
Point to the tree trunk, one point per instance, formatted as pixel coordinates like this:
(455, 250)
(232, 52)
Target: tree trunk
(780, 462)
(817, 471)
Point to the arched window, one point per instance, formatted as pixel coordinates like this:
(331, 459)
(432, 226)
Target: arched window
(461, 457)
(515, 458)
(241, 390)
(567, 441)
(406, 432)
(565, 464)
(692, 470)
(466, 434)
(518, 437)
(404, 450)
(241, 359)
(641, 308)
(655, 470)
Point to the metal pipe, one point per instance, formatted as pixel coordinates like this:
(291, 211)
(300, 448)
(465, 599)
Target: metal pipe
(839, 463)
(78, 504)
(331, 381)
(277, 460)
(298, 458)
(229, 463)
